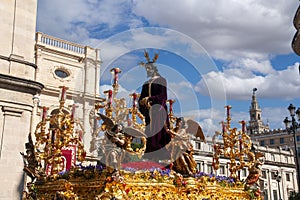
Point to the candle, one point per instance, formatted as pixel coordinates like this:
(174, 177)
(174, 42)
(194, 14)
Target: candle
(243, 126)
(44, 115)
(223, 127)
(115, 72)
(53, 136)
(110, 97)
(63, 93)
(134, 95)
(116, 77)
(228, 111)
(73, 111)
(241, 143)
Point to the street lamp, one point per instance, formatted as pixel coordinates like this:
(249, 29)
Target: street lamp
(292, 128)
(278, 179)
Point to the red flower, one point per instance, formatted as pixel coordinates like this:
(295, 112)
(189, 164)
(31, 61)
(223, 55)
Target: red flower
(127, 190)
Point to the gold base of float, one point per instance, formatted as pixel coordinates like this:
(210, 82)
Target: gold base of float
(150, 184)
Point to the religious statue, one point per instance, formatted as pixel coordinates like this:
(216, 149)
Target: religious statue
(254, 170)
(31, 164)
(118, 139)
(181, 148)
(152, 105)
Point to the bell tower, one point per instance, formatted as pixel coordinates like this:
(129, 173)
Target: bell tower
(256, 124)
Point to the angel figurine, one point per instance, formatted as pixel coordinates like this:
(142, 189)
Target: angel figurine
(118, 139)
(182, 149)
(31, 164)
(254, 171)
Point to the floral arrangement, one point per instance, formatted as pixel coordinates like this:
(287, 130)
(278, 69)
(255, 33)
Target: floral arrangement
(82, 171)
(133, 182)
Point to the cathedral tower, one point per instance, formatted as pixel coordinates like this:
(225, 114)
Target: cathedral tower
(256, 124)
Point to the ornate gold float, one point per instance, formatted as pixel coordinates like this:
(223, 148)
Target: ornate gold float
(55, 160)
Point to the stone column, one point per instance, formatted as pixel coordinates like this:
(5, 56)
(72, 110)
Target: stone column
(90, 93)
(15, 122)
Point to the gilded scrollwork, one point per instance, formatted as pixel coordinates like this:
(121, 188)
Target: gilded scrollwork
(60, 135)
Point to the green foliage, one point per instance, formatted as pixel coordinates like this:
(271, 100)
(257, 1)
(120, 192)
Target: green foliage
(135, 146)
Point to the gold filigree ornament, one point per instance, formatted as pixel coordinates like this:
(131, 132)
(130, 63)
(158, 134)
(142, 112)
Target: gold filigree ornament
(56, 159)
(56, 134)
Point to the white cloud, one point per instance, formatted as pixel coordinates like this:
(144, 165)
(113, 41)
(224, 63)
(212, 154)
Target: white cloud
(208, 119)
(232, 27)
(180, 90)
(280, 84)
(77, 20)
(275, 116)
(254, 65)
(226, 28)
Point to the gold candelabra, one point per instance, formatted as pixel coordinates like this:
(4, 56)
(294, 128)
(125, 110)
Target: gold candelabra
(135, 114)
(236, 146)
(116, 109)
(56, 133)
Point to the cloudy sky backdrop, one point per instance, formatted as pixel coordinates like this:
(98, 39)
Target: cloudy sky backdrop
(213, 53)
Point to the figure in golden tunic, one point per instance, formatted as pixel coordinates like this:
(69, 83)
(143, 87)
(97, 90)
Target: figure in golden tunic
(181, 148)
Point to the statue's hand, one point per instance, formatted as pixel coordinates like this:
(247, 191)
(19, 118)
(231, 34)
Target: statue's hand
(144, 101)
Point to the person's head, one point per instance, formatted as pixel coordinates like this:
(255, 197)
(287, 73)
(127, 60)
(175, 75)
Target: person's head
(180, 122)
(151, 69)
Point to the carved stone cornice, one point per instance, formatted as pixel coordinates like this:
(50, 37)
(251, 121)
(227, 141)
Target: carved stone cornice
(14, 58)
(20, 84)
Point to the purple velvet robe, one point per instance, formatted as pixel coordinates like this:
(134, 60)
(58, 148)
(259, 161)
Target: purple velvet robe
(156, 117)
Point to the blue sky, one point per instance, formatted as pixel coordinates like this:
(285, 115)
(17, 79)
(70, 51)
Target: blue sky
(213, 53)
